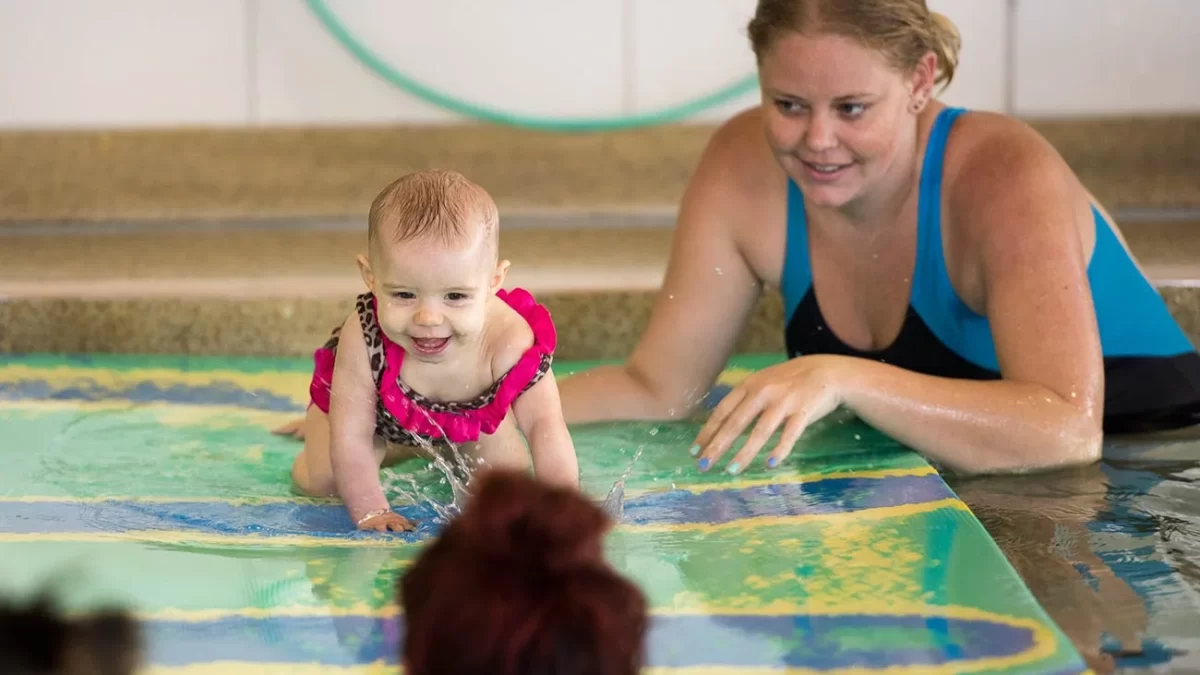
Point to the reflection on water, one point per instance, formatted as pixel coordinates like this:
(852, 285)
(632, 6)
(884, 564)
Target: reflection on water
(1112, 551)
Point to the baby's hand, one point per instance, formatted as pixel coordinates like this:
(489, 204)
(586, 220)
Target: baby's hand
(388, 521)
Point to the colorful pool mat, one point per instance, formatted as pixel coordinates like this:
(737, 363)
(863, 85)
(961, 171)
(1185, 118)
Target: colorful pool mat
(153, 483)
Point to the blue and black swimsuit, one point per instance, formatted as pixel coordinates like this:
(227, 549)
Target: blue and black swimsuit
(1152, 371)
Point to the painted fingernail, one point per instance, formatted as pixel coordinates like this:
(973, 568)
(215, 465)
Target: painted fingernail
(733, 468)
(694, 450)
(704, 464)
(772, 461)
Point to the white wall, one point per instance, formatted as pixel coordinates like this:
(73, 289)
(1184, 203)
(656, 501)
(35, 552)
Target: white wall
(82, 63)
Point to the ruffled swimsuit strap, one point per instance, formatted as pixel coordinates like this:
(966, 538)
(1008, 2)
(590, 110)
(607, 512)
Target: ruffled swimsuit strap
(463, 422)
(325, 356)
(379, 347)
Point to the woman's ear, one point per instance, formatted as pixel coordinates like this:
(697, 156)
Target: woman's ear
(921, 85)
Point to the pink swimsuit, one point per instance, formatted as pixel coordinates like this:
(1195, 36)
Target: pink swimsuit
(406, 417)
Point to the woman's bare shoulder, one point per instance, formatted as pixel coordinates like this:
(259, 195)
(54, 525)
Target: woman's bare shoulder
(991, 153)
(738, 154)
(737, 180)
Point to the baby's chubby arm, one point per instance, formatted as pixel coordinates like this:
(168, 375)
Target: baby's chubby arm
(352, 426)
(540, 418)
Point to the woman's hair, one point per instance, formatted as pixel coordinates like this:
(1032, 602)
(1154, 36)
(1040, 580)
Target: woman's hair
(518, 585)
(902, 30)
(37, 639)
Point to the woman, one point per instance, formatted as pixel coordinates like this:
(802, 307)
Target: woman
(945, 276)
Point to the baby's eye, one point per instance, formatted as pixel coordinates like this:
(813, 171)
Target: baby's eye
(404, 295)
(456, 297)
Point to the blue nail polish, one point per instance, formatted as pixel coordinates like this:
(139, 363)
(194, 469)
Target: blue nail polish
(772, 461)
(704, 464)
(694, 450)
(733, 468)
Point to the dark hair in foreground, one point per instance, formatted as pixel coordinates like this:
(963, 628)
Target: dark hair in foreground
(37, 639)
(518, 585)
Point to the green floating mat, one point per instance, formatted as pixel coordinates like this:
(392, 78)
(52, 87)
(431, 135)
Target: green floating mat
(153, 483)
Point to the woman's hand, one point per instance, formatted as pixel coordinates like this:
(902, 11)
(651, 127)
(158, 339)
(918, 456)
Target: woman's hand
(793, 394)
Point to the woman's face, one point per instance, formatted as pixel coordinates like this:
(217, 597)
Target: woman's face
(836, 113)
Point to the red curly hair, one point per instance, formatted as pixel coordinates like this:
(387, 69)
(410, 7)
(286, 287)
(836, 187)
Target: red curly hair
(518, 585)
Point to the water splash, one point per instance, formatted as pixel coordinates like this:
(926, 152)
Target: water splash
(457, 472)
(614, 501)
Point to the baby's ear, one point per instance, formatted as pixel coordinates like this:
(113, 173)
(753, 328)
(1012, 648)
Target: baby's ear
(500, 274)
(364, 268)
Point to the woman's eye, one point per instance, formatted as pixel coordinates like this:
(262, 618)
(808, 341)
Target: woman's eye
(788, 107)
(852, 109)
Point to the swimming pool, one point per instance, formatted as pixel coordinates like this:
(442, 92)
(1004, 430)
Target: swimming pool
(125, 476)
(1112, 551)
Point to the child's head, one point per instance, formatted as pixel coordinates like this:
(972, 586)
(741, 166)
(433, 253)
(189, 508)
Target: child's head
(433, 260)
(518, 585)
(36, 639)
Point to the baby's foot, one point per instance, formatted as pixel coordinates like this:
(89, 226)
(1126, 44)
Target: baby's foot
(295, 429)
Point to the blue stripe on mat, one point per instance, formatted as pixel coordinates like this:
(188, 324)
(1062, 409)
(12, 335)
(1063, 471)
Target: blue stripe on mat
(676, 508)
(217, 393)
(813, 641)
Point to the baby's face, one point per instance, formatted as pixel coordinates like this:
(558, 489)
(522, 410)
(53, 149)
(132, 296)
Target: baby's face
(432, 297)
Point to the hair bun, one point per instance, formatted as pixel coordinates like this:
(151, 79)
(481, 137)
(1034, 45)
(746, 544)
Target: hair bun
(515, 517)
(949, 42)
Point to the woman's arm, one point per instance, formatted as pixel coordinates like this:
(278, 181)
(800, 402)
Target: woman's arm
(1021, 210)
(706, 299)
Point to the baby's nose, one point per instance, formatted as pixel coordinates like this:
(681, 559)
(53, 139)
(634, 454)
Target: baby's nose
(427, 317)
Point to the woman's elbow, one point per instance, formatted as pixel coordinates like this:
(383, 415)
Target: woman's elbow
(1084, 441)
(1073, 440)
(1077, 441)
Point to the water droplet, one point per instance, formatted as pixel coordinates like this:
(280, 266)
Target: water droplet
(671, 296)
(858, 437)
(718, 270)
(670, 412)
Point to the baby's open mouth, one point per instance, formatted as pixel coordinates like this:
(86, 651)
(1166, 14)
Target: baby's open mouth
(430, 345)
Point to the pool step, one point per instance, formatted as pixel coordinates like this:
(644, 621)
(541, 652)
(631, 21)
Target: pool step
(278, 288)
(220, 174)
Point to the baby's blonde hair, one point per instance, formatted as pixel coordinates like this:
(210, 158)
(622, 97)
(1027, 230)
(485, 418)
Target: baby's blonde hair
(435, 203)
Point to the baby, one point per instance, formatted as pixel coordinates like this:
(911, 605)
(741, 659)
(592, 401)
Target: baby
(436, 353)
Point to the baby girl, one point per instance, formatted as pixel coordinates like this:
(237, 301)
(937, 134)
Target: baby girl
(435, 354)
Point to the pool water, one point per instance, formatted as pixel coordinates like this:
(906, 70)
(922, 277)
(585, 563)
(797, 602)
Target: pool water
(1112, 551)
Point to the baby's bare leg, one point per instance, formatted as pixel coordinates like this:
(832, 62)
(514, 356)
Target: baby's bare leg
(312, 471)
(505, 449)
